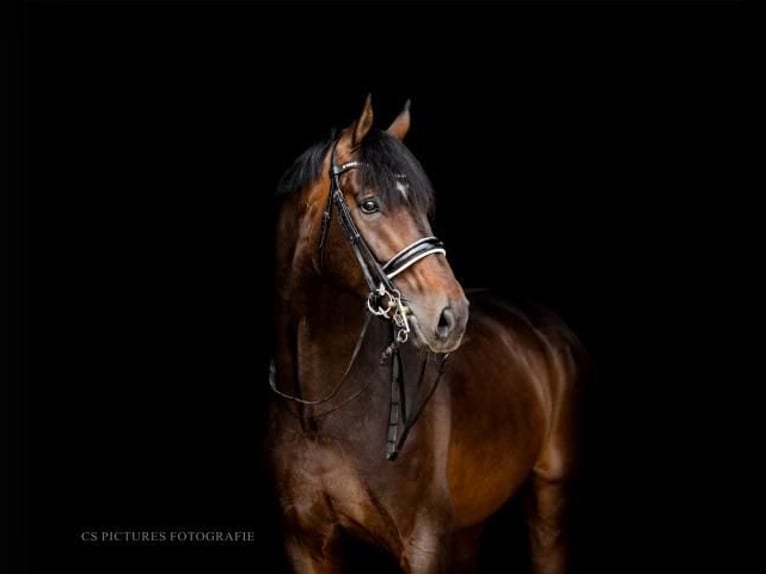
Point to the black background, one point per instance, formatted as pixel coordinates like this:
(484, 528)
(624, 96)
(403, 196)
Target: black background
(572, 150)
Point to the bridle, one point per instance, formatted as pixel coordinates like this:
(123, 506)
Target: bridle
(384, 300)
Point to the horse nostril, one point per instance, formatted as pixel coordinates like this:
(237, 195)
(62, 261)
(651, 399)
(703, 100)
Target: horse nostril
(446, 323)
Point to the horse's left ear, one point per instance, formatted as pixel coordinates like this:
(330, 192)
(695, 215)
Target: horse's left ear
(363, 124)
(401, 125)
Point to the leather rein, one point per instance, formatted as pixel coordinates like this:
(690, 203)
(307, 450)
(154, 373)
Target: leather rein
(384, 301)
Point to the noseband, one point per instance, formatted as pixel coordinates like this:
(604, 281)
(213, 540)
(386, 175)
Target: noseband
(384, 299)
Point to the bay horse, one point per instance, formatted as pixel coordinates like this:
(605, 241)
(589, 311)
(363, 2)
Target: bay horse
(399, 417)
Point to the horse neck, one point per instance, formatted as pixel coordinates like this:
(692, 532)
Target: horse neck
(318, 322)
(321, 341)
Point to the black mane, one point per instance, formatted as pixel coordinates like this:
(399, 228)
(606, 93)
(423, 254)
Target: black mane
(387, 161)
(304, 170)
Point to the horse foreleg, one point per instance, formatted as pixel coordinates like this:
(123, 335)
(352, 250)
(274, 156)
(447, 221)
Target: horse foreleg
(425, 551)
(546, 528)
(313, 554)
(464, 550)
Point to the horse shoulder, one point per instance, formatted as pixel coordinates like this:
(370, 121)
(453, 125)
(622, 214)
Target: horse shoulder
(499, 406)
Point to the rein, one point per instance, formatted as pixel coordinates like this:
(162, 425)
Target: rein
(384, 301)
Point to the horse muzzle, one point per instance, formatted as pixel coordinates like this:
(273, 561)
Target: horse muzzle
(439, 329)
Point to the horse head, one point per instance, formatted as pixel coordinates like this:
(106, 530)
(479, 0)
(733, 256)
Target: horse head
(380, 243)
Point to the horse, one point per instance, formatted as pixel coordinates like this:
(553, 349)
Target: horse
(399, 416)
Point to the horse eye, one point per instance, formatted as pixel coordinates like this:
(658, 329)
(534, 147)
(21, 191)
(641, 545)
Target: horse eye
(369, 206)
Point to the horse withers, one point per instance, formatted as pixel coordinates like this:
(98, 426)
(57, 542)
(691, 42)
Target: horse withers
(400, 417)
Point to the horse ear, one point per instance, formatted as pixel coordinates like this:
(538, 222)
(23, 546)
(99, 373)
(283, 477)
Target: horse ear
(401, 125)
(363, 124)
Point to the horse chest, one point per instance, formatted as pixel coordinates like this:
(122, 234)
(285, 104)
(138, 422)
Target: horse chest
(323, 483)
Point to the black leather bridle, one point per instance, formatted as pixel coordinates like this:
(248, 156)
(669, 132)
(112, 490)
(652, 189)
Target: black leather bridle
(384, 300)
